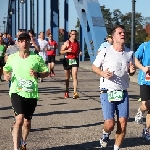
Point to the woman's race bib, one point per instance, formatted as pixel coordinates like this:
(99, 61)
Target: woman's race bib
(72, 61)
(115, 96)
(25, 85)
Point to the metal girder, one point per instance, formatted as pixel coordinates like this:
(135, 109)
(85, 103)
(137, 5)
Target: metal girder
(92, 23)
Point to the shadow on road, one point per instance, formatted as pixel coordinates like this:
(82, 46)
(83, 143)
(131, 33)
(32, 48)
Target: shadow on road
(128, 143)
(67, 127)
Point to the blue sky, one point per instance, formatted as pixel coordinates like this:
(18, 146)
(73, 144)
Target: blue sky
(125, 6)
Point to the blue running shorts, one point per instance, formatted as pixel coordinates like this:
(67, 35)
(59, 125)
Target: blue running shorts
(109, 108)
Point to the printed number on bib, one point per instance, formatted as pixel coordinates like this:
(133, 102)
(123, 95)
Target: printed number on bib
(25, 85)
(115, 96)
(72, 61)
(147, 77)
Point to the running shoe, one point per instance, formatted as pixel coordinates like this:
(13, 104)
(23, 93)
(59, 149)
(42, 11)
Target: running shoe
(66, 95)
(139, 117)
(52, 74)
(41, 80)
(49, 74)
(76, 95)
(104, 141)
(146, 135)
(23, 147)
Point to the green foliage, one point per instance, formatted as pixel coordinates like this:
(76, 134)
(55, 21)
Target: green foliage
(116, 17)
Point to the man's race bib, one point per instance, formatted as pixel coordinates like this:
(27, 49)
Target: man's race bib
(147, 77)
(25, 85)
(115, 96)
(52, 48)
(72, 61)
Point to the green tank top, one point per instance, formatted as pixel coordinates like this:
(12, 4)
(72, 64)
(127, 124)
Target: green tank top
(2, 50)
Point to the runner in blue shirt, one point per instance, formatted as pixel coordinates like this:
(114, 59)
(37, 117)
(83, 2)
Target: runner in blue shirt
(142, 61)
(108, 42)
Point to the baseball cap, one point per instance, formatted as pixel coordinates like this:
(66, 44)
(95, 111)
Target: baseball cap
(23, 36)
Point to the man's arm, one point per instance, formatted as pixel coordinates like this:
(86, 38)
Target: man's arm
(97, 70)
(36, 44)
(7, 69)
(138, 64)
(64, 49)
(43, 70)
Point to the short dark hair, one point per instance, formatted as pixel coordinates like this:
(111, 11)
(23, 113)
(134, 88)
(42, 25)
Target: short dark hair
(22, 30)
(115, 27)
(49, 34)
(23, 36)
(73, 30)
(31, 32)
(41, 32)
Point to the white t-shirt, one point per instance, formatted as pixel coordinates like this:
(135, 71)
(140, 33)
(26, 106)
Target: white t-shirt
(32, 47)
(43, 48)
(116, 62)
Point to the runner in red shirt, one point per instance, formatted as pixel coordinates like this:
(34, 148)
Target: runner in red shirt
(51, 53)
(71, 49)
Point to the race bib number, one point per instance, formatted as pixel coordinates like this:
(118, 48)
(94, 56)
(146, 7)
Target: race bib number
(51, 48)
(72, 61)
(25, 85)
(115, 96)
(147, 77)
(32, 49)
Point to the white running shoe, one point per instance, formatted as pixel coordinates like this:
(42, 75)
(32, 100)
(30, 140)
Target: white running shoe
(139, 117)
(104, 141)
(146, 135)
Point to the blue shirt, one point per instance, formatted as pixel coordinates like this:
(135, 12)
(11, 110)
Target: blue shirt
(104, 45)
(143, 55)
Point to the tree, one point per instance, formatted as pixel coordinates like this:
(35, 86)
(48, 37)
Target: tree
(146, 21)
(107, 18)
(116, 18)
(78, 28)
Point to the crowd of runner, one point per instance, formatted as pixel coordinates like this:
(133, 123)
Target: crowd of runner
(25, 60)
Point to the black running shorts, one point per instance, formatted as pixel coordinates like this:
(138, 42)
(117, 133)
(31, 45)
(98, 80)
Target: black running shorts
(23, 105)
(67, 66)
(51, 59)
(145, 92)
(2, 61)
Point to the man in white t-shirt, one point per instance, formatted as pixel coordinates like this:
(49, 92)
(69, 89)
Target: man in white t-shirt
(43, 48)
(114, 64)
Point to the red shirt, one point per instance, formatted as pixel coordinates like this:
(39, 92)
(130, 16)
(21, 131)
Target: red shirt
(52, 48)
(75, 50)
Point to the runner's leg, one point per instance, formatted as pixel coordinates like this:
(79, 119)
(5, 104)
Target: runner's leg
(17, 131)
(75, 80)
